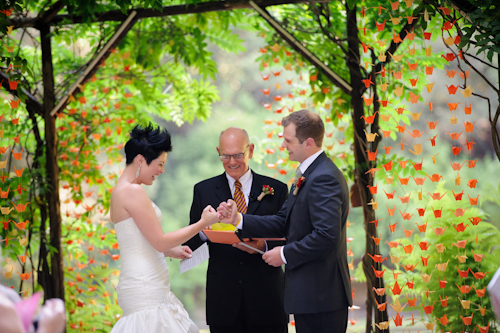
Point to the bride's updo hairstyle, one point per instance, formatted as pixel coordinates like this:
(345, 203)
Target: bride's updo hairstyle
(149, 141)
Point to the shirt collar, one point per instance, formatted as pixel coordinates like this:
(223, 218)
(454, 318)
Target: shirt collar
(308, 161)
(245, 180)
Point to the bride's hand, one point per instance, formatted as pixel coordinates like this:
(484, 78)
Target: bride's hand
(179, 252)
(210, 215)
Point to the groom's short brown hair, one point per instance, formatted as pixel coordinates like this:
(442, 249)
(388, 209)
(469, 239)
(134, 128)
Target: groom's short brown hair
(309, 125)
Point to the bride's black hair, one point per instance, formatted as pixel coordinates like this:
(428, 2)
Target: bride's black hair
(149, 141)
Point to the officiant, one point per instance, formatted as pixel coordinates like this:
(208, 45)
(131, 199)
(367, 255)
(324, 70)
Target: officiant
(243, 293)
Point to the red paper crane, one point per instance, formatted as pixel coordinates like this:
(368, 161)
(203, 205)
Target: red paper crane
(421, 211)
(460, 227)
(428, 309)
(475, 220)
(367, 82)
(398, 321)
(425, 260)
(437, 212)
(458, 196)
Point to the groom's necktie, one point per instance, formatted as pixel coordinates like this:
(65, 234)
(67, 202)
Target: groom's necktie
(298, 174)
(239, 198)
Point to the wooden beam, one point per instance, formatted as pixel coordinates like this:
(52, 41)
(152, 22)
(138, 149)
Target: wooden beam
(118, 15)
(297, 46)
(93, 65)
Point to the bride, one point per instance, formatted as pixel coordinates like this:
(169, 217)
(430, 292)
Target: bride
(144, 288)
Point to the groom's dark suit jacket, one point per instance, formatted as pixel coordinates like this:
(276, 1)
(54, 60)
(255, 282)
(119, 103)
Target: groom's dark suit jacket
(234, 275)
(314, 224)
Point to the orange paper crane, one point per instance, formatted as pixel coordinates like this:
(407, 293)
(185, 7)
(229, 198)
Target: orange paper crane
(25, 276)
(377, 258)
(381, 307)
(444, 320)
(378, 274)
(460, 227)
(408, 248)
(369, 119)
(460, 244)
(478, 275)
(406, 216)
(396, 290)
(392, 227)
(20, 207)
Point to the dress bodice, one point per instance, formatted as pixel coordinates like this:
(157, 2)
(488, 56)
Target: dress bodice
(144, 286)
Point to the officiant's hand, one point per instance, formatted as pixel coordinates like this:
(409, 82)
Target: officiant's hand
(179, 252)
(259, 244)
(228, 212)
(273, 257)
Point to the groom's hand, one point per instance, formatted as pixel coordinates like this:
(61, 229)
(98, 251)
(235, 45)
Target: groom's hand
(258, 244)
(273, 257)
(228, 212)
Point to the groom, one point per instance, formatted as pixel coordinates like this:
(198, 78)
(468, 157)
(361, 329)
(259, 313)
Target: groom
(313, 220)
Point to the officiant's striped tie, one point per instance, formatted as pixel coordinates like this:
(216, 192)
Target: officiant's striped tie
(239, 198)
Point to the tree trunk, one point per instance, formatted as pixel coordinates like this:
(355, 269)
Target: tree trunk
(53, 280)
(363, 164)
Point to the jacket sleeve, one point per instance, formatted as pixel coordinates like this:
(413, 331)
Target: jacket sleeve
(324, 199)
(282, 200)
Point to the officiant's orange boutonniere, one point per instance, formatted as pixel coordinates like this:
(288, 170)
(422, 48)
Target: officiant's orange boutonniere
(266, 189)
(299, 184)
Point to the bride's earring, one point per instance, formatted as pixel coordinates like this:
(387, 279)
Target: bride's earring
(138, 171)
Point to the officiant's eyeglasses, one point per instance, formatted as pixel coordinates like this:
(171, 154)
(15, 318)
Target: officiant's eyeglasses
(238, 156)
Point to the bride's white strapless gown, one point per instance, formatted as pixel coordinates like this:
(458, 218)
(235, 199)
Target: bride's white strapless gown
(143, 291)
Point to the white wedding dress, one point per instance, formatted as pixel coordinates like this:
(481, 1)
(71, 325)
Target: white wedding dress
(144, 293)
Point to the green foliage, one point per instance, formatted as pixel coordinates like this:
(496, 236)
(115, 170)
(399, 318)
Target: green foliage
(443, 264)
(484, 29)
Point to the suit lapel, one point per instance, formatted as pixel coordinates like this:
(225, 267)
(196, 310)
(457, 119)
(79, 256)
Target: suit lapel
(222, 190)
(292, 198)
(255, 191)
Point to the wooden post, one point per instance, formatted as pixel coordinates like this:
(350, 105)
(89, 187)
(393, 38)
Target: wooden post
(362, 166)
(53, 281)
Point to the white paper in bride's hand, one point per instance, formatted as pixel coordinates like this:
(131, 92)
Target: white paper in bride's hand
(197, 257)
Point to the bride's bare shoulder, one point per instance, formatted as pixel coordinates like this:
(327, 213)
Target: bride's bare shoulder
(126, 192)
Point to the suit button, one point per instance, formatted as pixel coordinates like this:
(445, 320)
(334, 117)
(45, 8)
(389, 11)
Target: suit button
(240, 282)
(241, 262)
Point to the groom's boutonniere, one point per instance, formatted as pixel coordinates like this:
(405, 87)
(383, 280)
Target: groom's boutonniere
(266, 189)
(299, 184)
